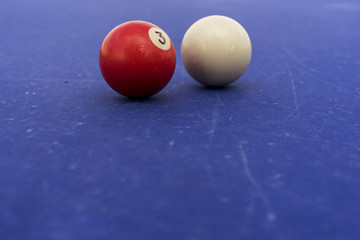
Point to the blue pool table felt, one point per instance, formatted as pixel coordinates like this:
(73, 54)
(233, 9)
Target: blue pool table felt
(276, 155)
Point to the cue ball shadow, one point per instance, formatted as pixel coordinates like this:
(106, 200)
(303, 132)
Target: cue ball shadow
(239, 87)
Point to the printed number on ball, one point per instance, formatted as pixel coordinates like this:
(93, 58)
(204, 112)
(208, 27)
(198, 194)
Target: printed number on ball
(159, 38)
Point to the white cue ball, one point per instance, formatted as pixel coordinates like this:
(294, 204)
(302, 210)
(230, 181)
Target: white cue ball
(216, 50)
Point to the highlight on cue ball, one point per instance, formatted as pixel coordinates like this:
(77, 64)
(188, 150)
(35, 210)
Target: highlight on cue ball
(137, 59)
(216, 50)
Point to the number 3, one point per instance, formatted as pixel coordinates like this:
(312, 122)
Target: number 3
(162, 39)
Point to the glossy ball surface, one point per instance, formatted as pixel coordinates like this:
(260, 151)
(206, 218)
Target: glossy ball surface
(137, 59)
(216, 50)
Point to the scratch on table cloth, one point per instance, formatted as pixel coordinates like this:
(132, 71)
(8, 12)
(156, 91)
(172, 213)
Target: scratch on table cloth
(214, 121)
(87, 73)
(296, 59)
(215, 117)
(271, 216)
(293, 112)
(212, 129)
(293, 87)
(315, 73)
(322, 128)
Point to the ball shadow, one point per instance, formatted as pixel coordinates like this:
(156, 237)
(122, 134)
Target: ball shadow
(157, 98)
(235, 87)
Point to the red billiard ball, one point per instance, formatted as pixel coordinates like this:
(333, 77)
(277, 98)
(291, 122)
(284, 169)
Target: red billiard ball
(137, 59)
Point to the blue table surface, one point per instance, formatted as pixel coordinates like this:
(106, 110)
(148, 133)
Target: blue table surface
(276, 155)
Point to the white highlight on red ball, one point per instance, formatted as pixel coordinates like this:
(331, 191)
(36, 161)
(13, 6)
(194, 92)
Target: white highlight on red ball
(216, 50)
